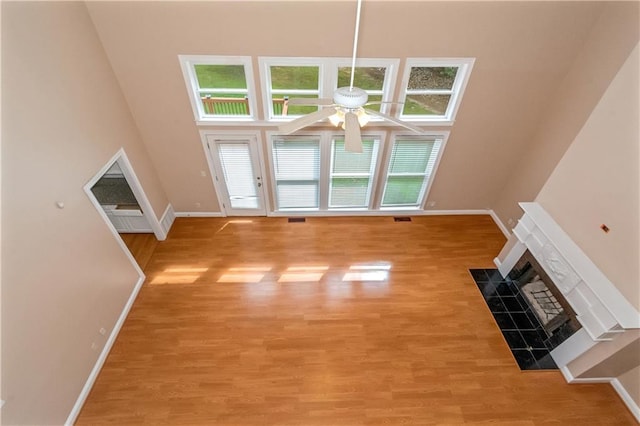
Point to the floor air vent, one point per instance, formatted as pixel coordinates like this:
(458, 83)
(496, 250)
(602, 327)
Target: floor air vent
(297, 219)
(402, 219)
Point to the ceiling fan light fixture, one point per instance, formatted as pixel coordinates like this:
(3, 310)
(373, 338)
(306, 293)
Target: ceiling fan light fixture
(337, 118)
(363, 117)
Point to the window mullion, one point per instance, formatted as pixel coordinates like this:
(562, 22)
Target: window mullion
(373, 180)
(348, 175)
(430, 92)
(294, 92)
(326, 159)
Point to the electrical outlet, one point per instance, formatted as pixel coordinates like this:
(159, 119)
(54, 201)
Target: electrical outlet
(431, 204)
(94, 346)
(102, 331)
(203, 173)
(198, 204)
(510, 222)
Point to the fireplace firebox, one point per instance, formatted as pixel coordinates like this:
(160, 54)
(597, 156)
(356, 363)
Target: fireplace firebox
(545, 301)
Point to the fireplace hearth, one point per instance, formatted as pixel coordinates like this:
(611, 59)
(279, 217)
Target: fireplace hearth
(529, 341)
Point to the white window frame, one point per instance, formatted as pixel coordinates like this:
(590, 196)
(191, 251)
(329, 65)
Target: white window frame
(187, 64)
(372, 174)
(326, 138)
(441, 138)
(388, 85)
(464, 65)
(265, 80)
(327, 79)
(272, 137)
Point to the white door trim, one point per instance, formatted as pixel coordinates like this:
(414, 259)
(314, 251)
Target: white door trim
(208, 136)
(136, 187)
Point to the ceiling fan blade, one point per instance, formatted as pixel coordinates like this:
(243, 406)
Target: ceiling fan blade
(395, 120)
(310, 101)
(305, 120)
(352, 137)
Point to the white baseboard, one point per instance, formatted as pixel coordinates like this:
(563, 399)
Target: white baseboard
(497, 262)
(103, 355)
(498, 222)
(617, 386)
(407, 212)
(566, 373)
(626, 398)
(571, 379)
(167, 219)
(332, 213)
(199, 214)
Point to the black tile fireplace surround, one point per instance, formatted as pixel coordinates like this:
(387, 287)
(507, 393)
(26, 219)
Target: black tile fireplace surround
(526, 337)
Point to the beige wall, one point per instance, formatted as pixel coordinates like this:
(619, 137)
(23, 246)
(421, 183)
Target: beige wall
(613, 359)
(64, 116)
(608, 44)
(617, 364)
(598, 181)
(522, 50)
(630, 381)
(63, 274)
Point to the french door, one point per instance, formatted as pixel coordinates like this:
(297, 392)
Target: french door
(237, 175)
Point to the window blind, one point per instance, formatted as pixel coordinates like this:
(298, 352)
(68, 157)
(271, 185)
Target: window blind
(350, 184)
(297, 173)
(410, 166)
(235, 160)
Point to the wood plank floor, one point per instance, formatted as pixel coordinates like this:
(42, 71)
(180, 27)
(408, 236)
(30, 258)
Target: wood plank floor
(141, 247)
(256, 321)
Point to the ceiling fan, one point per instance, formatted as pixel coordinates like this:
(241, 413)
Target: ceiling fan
(347, 108)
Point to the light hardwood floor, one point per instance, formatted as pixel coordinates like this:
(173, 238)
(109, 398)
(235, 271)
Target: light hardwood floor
(250, 321)
(141, 247)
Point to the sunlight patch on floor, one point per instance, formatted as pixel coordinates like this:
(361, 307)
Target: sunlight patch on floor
(179, 274)
(244, 274)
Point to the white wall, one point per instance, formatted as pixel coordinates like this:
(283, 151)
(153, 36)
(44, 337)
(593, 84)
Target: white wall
(63, 274)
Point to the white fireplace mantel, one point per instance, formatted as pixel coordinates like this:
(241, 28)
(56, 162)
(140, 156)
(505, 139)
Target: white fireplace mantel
(600, 307)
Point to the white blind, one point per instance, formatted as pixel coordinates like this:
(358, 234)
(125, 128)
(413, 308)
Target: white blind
(350, 184)
(235, 160)
(412, 162)
(296, 165)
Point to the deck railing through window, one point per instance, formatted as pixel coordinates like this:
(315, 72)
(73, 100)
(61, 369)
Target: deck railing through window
(238, 106)
(281, 106)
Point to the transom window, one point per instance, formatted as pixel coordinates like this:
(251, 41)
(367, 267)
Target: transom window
(433, 88)
(283, 78)
(374, 76)
(220, 88)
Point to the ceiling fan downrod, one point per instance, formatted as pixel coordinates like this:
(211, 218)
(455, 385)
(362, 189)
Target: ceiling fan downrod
(355, 44)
